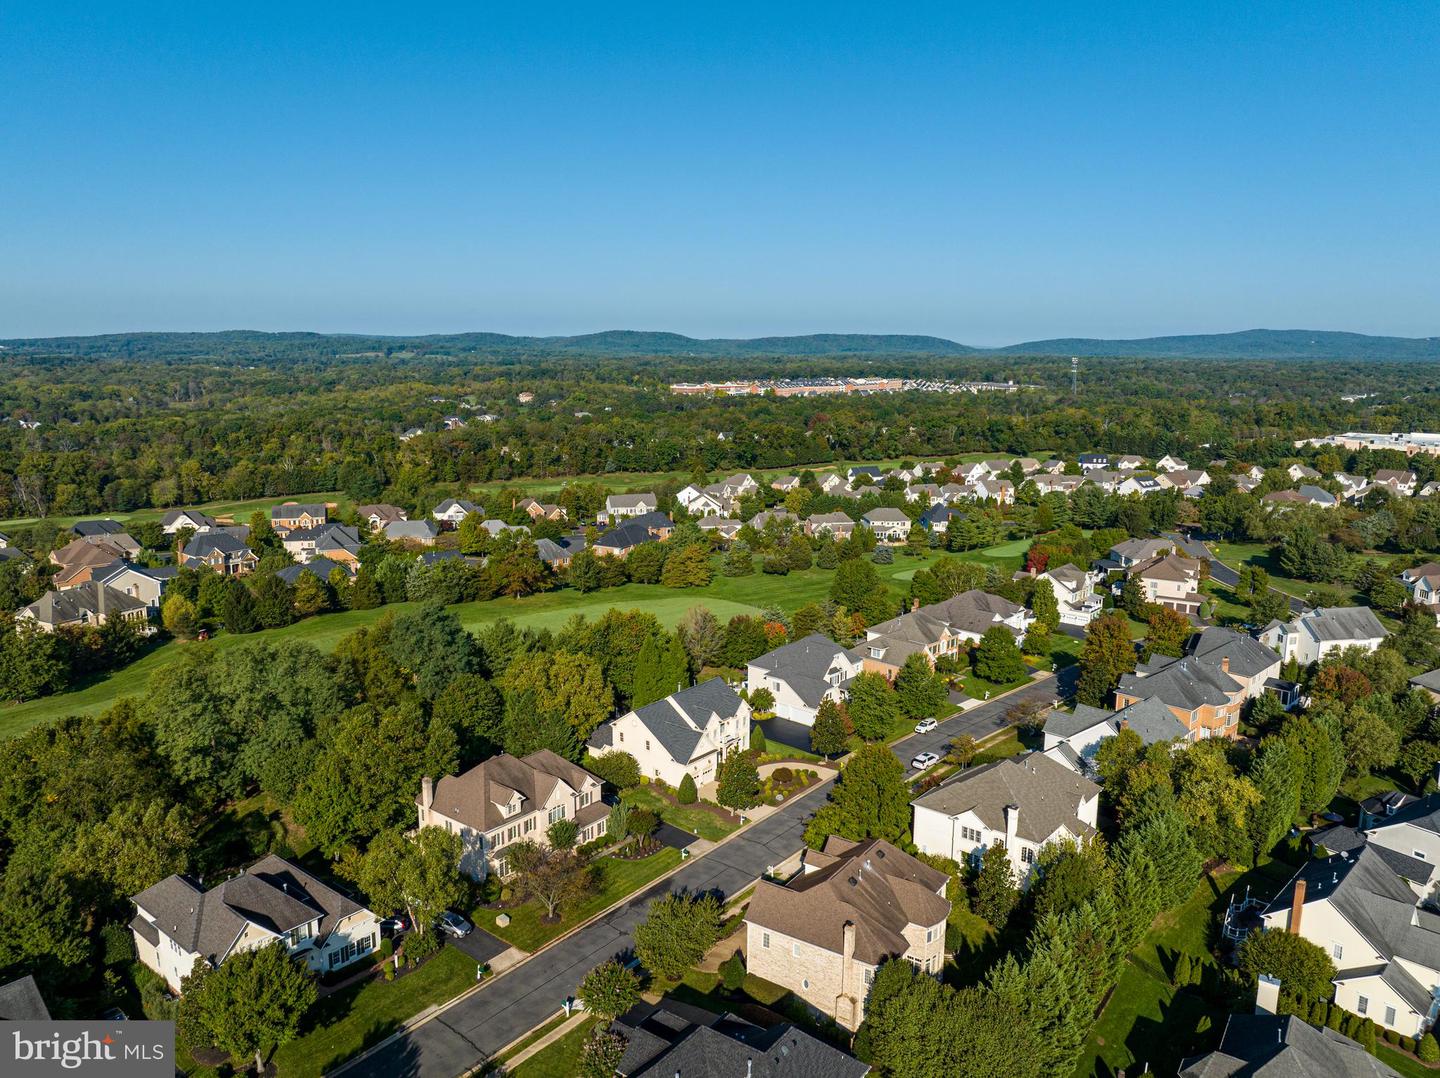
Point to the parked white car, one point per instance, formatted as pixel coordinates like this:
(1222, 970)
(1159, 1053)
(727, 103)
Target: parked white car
(925, 761)
(924, 726)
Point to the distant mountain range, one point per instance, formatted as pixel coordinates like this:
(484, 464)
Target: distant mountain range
(1248, 344)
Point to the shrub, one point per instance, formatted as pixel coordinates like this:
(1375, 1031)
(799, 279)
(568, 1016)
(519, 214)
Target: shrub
(117, 943)
(1393, 1036)
(687, 794)
(419, 947)
(617, 768)
(732, 973)
(783, 774)
(1429, 1049)
(389, 973)
(643, 823)
(757, 740)
(1407, 1043)
(384, 951)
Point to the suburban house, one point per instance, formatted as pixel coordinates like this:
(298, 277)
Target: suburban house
(538, 510)
(1399, 482)
(669, 1038)
(890, 526)
(854, 905)
(106, 529)
(1310, 636)
(219, 551)
(1265, 1044)
(505, 799)
(1428, 682)
(293, 515)
(1167, 463)
(1072, 739)
(835, 525)
(21, 1001)
(1299, 472)
(802, 674)
(91, 603)
(1380, 933)
(618, 542)
(702, 503)
(81, 559)
(1206, 698)
(1128, 463)
(1075, 592)
(1058, 484)
(138, 582)
(379, 514)
(688, 732)
(782, 519)
(452, 511)
(1423, 584)
(193, 519)
(657, 524)
(177, 923)
(1023, 803)
(302, 543)
(940, 629)
(830, 483)
(938, 517)
(1090, 461)
(725, 528)
(417, 532)
(785, 483)
(557, 553)
(629, 505)
(1134, 552)
(1170, 581)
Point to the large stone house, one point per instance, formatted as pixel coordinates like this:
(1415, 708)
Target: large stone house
(802, 674)
(91, 603)
(688, 732)
(292, 515)
(1311, 636)
(178, 923)
(220, 551)
(1171, 581)
(823, 934)
(1022, 803)
(505, 799)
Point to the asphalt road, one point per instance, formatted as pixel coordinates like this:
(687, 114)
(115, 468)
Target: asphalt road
(986, 719)
(1222, 572)
(473, 1030)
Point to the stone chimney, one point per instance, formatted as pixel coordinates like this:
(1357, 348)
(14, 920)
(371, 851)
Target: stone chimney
(1267, 994)
(914, 605)
(1225, 663)
(846, 1009)
(427, 793)
(1296, 908)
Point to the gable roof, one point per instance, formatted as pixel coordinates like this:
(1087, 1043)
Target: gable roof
(1048, 793)
(678, 722)
(1247, 655)
(1331, 623)
(272, 893)
(89, 600)
(1185, 683)
(293, 510)
(1283, 1046)
(1153, 720)
(626, 536)
(1067, 724)
(97, 527)
(20, 1001)
(802, 664)
(872, 885)
(975, 611)
(630, 501)
(320, 568)
(474, 796)
(209, 542)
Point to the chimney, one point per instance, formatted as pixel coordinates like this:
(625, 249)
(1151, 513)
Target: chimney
(1267, 994)
(914, 605)
(427, 793)
(1225, 663)
(1012, 828)
(1296, 908)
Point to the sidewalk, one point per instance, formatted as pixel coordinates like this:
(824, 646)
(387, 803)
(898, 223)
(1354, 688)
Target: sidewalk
(576, 1019)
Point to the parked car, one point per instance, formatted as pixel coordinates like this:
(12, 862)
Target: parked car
(393, 926)
(452, 924)
(925, 761)
(924, 726)
(114, 1014)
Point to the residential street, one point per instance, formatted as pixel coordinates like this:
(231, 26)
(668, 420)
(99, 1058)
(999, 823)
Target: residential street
(468, 1033)
(987, 719)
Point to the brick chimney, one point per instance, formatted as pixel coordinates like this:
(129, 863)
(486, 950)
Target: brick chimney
(1296, 908)
(914, 605)
(1225, 663)
(427, 793)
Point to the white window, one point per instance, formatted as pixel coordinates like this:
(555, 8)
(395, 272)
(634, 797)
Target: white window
(557, 813)
(868, 977)
(647, 748)
(1027, 855)
(929, 935)
(1362, 1004)
(765, 940)
(970, 834)
(1389, 1016)
(1337, 951)
(795, 949)
(529, 825)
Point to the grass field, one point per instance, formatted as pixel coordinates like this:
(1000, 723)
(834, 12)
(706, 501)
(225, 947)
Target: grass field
(560, 1059)
(239, 512)
(529, 931)
(344, 1024)
(1148, 1020)
(692, 818)
(724, 596)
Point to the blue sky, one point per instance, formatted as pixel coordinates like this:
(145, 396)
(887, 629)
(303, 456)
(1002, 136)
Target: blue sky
(985, 172)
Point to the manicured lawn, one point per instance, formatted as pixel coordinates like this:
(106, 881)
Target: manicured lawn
(976, 687)
(558, 1060)
(1148, 1020)
(690, 818)
(239, 512)
(1403, 1064)
(343, 1025)
(529, 931)
(724, 596)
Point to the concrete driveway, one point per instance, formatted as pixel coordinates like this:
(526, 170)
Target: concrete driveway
(480, 945)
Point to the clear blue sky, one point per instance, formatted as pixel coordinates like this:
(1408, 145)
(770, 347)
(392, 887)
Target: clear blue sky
(986, 172)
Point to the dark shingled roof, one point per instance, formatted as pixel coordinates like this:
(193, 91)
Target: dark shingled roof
(1283, 1046)
(1065, 724)
(20, 1001)
(1185, 683)
(679, 720)
(802, 664)
(625, 536)
(1048, 793)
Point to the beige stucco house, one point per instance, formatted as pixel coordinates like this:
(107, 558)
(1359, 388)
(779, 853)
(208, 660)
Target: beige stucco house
(688, 732)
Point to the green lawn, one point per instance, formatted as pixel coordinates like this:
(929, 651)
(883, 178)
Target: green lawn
(560, 1059)
(1403, 1064)
(1147, 1020)
(529, 931)
(686, 817)
(239, 512)
(724, 596)
(343, 1025)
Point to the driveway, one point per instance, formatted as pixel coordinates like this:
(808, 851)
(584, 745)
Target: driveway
(480, 945)
(465, 1035)
(668, 834)
(1221, 572)
(786, 732)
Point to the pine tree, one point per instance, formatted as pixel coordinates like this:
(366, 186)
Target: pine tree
(995, 893)
(831, 731)
(1044, 605)
(365, 594)
(918, 690)
(998, 659)
(1276, 774)
(870, 799)
(649, 675)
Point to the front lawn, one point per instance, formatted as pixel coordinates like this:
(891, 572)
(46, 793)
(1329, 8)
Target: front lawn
(528, 929)
(342, 1025)
(692, 818)
(560, 1059)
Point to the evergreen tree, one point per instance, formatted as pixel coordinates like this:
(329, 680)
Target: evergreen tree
(649, 677)
(995, 892)
(238, 611)
(918, 689)
(738, 781)
(1164, 837)
(1276, 774)
(1044, 605)
(688, 567)
(873, 706)
(831, 731)
(870, 799)
(686, 793)
(1314, 737)
(365, 594)
(998, 659)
